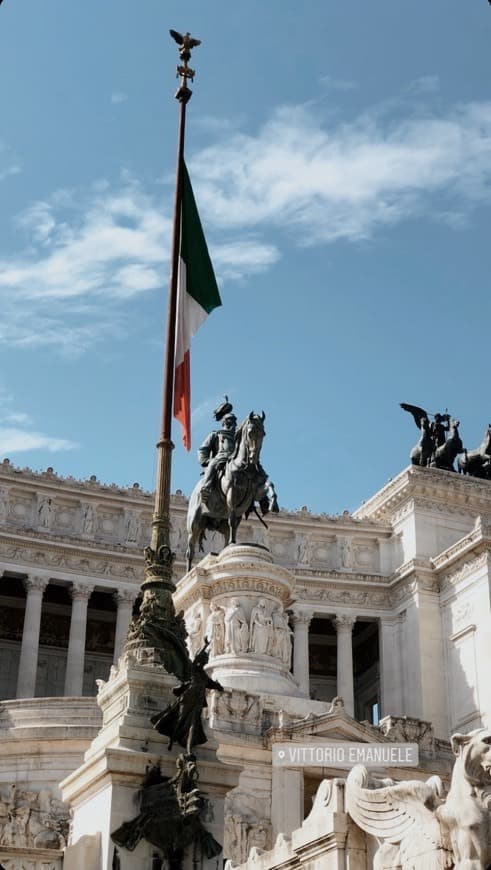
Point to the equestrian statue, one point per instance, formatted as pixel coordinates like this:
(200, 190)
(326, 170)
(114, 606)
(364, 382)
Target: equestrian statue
(233, 480)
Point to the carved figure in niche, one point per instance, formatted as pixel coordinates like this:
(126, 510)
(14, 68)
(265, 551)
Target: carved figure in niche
(261, 628)
(466, 814)
(282, 645)
(346, 553)
(303, 548)
(132, 527)
(215, 630)
(88, 520)
(3, 505)
(45, 513)
(236, 629)
(195, 633)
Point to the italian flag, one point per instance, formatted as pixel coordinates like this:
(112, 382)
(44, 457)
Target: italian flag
(197, 296)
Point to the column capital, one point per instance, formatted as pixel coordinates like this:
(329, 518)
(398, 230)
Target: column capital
(80, 591)
(35, 584)
(344, 622)
(125, 596)
(301, 617)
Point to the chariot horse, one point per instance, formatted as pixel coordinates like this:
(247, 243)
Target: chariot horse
(477, 462)
(241, 484)
(444, 456)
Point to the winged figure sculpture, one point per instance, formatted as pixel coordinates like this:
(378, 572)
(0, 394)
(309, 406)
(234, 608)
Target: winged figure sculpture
(402, 818)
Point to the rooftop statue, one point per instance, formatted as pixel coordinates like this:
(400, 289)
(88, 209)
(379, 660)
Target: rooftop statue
(477, 462)
(234, 479)
(434, 448)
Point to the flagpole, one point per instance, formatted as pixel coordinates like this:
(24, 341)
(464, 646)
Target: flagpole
(157, 621)
(159, 550)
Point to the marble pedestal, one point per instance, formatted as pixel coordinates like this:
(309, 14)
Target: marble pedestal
(251, 593)
(104, 791)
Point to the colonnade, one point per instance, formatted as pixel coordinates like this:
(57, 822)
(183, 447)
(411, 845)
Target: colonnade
(80, 594)
(390, 658)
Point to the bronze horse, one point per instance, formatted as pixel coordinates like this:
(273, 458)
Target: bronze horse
(422, 452)
(477, 462)
(444, 456)
(242, 483)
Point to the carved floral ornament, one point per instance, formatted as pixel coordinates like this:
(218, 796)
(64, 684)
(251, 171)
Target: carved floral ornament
(331, 593)
(451, 579)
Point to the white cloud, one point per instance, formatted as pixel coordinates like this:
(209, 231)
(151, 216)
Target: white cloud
(17, 437)
(424, 85)
(347, 181)
(118, 97)
(20, 441)
(87, 253)
(9, 165)
(335, 84)
(235, 260)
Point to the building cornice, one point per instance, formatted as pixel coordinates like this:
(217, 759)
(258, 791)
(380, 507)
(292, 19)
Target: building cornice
(427, 487)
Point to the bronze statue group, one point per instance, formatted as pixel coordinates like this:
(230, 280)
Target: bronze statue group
(440, 445)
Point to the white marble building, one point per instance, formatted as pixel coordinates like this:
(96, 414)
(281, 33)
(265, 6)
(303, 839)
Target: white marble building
(388, 608)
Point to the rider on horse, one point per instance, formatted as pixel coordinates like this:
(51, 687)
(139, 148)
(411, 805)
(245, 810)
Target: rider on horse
(217, 448)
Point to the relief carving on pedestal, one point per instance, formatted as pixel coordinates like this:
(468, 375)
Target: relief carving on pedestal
(261, 629)
(236, 629)
(215, 630)
(32, 820)
(235, 707)
(267, 633)
(195, 632)
(246, 824)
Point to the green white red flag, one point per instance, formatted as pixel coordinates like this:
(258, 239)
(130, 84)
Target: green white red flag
(197, 296)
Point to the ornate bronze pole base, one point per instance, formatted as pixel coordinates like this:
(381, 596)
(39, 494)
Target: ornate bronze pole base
(157, 635)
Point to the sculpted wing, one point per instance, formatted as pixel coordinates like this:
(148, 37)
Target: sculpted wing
(417, 413)
(177, 36)
(394, 812)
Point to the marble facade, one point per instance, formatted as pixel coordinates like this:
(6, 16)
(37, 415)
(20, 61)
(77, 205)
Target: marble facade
(387, 609)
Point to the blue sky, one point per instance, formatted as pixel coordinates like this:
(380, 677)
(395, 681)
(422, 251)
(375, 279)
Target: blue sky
(341, 158)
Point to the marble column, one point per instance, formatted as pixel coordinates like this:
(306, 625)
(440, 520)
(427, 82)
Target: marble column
(74, 677)
(287, 797)
(125, 599)
(26, 680)
(301, 621)
(345, 685)
(390, 666)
